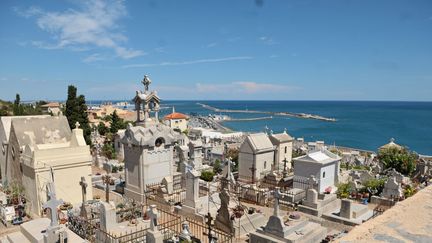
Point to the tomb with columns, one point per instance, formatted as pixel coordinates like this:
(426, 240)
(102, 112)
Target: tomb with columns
(148, 146)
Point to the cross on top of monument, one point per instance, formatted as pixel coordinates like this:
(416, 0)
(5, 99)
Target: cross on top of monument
(107, 179)
(277, 196)
(146, 81)
(52, 204)
(83, 185)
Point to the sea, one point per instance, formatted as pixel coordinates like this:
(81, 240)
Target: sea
(360, 124)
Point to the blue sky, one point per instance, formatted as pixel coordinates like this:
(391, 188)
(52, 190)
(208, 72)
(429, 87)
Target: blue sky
(288, 50)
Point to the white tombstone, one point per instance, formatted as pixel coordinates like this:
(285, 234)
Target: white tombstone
(192, 188)
(153, 234)
(108, 217)
(346, 208)
(312, 196)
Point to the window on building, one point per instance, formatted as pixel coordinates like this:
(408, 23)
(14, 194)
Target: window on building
(286, 149)
(323, 175)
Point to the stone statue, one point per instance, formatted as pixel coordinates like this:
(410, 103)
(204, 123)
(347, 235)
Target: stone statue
(146, 81)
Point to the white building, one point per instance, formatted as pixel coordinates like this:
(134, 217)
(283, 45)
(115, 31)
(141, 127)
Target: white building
(148, 147)
(176, 120)
(256, 158)
(46, 150)
(283, 143)
(5, 127)
(321, 164)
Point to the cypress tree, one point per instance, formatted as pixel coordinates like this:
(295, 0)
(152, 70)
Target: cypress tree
(18, 109)
(83, 119)
(116, 123)
(71, 106)
(76, 111)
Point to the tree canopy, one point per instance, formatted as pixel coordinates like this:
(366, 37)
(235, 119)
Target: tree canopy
(401, 159)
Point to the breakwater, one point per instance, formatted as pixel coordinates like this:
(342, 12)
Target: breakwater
(284, 113)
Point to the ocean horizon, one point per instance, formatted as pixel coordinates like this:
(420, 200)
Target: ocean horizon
(360, 124)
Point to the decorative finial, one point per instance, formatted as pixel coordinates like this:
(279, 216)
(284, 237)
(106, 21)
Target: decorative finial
(146, 81)
(77, 125)
(285, 130)
(392, 140)
(173, 109)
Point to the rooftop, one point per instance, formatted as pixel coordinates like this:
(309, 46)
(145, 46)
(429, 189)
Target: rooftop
(175, 115)
(322, 156)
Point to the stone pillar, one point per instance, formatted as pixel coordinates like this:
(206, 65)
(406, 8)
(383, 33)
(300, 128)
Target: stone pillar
(192, 188)
(346, 209)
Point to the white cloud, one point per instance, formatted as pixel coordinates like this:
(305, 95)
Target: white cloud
(245, 87)
(93, 25)
(225, 59)
(267, 40)
(213, 44)
(94, 58)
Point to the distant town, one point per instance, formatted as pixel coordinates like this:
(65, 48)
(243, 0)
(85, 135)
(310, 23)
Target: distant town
(78, 172)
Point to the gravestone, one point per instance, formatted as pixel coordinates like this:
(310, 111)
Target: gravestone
(346, 208)
(223, 218)
(153, 234)
(108, 217)
(312, 196)
(276, 225)
(54, 232)
(83, 185)
(392, 189)
(192, 190)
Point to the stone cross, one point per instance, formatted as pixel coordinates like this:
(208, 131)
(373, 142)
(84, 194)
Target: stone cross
(107, 179)
(83, 185)
(153, 214)
(277, 197)
(52, 204)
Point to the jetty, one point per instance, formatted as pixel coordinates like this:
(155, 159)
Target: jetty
(272, 113)
(249, 119)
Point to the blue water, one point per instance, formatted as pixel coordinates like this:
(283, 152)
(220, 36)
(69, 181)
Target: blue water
(360, 124)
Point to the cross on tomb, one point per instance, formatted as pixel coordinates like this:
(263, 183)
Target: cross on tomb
(107, 179)
(52, 204)
(277, 196)
(312, 182)
(153, 214)
(83, 185)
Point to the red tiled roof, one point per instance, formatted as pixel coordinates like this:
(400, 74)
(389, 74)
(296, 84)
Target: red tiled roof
(175, 115)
